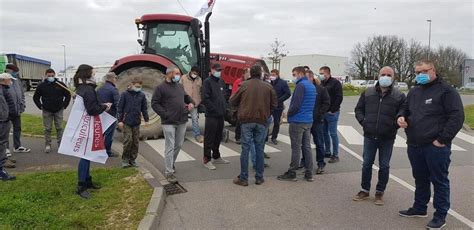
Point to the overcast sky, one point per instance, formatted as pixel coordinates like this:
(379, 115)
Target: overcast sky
(101, 31)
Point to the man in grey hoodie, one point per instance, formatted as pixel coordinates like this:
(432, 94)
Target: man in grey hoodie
(18, 95)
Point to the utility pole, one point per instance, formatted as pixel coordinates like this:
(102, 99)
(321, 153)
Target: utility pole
(65, 75)
(429, 39)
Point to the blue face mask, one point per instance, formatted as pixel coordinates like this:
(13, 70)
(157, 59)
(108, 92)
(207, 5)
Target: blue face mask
(50, 79)
(385, 81)
(14, 74)
(217, 74)
(422, 78)
(176, 78)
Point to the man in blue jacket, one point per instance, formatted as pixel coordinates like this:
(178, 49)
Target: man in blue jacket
(283, 93)
(108, 93)
(300, 117)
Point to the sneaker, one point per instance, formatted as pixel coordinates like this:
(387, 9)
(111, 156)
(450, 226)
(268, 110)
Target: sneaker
(47, 149)
(309, 177)
(9, 164)
(125, 164)
(274, 141)
(436, 223)
(411, 212)
(361, 196)
(171, 179)
(21, 150)
(266, 156)
(288, 176)
(220, 161)
(199, 139)
(133, 164)
(320, 170)
(259, 181)
(240, 182)
(379, 198)
(4, 176)
(237, 141)
(334, 159)
(209, 165)
(7, 151)
(327, 155)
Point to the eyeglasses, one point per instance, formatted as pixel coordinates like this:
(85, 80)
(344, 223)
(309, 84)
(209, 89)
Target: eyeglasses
(423, 71)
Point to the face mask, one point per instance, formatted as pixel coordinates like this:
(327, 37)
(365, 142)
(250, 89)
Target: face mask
(14, 74)
(422, 78)
(321, 77)
(217, 74)
(385, 81)
(176, 78)
(50, 79)
(193, 75)
(137, 89)
(273, 78)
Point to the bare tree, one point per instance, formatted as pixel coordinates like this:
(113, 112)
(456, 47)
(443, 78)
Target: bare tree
(448, 61)
(278, 51)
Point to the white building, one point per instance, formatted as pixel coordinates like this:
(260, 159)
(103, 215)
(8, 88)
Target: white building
(100, 71)
(338, 65)
(468, 72)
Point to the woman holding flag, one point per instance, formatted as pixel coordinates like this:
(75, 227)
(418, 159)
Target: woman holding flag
(85, 87)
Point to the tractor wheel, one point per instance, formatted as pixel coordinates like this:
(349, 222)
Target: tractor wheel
(151, 78)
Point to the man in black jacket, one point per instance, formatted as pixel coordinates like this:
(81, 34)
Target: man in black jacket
(433, 116)
(283, 93)
(214, 100)
(331, 118)
(377, 112)
(172, 104)
(108, 93)
(6, 105)
(52, 98)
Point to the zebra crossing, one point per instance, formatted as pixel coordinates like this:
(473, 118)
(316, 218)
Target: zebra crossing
(351, 135)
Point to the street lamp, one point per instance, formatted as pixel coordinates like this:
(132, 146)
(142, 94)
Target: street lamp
(429, 39)
(64, 52)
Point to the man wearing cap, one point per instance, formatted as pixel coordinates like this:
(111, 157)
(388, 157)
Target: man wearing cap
(6, 105)
(18, 95)
(213, 99)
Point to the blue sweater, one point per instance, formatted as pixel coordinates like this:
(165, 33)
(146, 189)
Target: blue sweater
(302, 102)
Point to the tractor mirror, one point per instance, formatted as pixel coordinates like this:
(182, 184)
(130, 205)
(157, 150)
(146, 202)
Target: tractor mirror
(140, 41)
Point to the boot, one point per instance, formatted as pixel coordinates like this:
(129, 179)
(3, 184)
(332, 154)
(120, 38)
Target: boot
(82, 190)
(90, 184)
(5, 176)
(9, 164)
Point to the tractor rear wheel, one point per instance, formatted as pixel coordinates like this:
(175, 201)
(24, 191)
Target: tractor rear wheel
(151, 78)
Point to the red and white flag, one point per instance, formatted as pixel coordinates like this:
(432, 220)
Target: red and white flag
(206, 8)
(83, 136)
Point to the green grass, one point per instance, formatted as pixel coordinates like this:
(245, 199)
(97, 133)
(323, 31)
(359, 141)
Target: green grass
(48, 201)
(469, 115)
(33, 125)
(347, 91)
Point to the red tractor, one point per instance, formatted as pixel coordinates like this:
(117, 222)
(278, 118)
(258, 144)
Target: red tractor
(168, 39)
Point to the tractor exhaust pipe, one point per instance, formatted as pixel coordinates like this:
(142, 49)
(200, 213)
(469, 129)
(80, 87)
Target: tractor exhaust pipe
(207, 55)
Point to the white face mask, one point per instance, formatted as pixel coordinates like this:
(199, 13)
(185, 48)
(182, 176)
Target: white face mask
(273, 78)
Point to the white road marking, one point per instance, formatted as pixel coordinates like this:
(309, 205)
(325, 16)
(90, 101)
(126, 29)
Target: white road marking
(159, 146)
(286, 139)
(268, 148)
(465, 137)
(410, 187)
(225, 152)
(351, 113)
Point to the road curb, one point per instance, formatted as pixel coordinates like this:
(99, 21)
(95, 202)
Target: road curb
(466, 127)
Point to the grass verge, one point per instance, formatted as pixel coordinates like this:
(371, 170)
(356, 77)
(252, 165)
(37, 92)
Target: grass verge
(469, 115)
(48, 201)
(33, 125)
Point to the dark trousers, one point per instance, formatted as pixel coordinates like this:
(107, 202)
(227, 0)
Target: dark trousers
(109, 137)
(131, 142)
(83, 170)
(430, 164)
(385, 148)
(4, 132)
(318, 139)
(213, 129)
(16, 124)
(276, 122)
(238, 130)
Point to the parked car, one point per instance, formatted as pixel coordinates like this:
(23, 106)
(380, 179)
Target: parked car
(468, 86)
(371, 83)
(401, 85)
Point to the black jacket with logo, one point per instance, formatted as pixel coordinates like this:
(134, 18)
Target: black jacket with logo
(51, 97)
(434, 112)
(377, 112)
(213, 97)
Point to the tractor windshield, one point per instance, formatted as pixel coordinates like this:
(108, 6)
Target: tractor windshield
(174, 41)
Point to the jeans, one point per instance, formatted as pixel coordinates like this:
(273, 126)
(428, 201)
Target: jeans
(252, 134)
(48, 119)
(4, 132)
(16, 124)
(430, 164)
(318, 139)
(276, 122)
(252, 147)
(385, 148)
(212, 137)
(195, 122)
(174, 138)
(109, 137)
(83, 170)
(300, 135)
(131, 141)
(330, 133)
